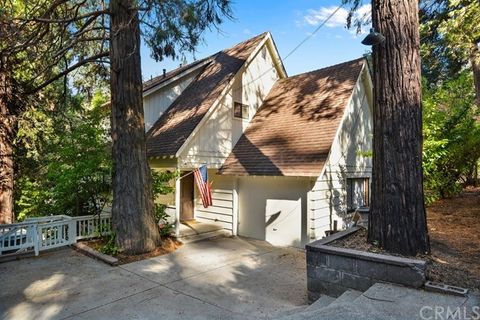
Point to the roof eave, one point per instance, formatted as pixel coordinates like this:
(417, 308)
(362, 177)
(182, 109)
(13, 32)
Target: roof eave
(182, 74)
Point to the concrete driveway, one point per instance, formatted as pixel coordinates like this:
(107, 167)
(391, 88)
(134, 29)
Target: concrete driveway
(229, 278)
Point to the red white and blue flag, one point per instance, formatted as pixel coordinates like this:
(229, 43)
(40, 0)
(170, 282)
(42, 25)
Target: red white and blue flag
(204, 187)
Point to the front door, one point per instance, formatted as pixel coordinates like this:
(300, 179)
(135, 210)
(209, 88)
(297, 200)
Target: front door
(186, 198)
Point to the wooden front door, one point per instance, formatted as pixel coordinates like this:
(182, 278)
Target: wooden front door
(186, 198)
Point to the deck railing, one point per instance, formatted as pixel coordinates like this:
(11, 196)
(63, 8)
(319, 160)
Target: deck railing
(51, 232)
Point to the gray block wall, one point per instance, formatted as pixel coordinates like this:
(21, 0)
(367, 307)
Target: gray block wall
(332, 270)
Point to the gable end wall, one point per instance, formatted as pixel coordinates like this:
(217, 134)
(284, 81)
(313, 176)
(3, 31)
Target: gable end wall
(347, 159)
(214, 141)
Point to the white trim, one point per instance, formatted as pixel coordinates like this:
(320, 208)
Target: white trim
(177, 207)
(235, 207)
(216, 103)
(177, 77)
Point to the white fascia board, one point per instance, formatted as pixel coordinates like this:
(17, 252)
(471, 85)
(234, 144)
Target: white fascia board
(277, 61)
(177, 77)
(216, 103)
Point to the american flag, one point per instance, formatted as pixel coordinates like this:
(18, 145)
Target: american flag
(201, 179)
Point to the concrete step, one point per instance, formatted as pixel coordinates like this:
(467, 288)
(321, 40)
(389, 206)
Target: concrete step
(315, 309)
(386, 301)
(287, 313)
(320, 303)
(204, 236)
(347, 297)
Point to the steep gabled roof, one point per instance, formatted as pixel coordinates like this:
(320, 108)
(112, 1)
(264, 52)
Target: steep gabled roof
(172, 129)
(154, 82)
(293, 131)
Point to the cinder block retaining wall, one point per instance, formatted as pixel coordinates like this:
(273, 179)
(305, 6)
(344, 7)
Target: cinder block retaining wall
(332, 270)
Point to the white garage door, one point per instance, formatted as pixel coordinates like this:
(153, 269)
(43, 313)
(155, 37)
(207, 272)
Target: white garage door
(271, 209)
(283, 222)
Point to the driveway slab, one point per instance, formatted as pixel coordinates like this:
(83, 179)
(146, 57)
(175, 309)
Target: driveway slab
(260, 285)
(62, 283)
(230, 278)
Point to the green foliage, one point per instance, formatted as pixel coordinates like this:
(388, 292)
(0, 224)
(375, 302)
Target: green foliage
(162, 185)
(110, 247)
(451, 132)
(449, 32)
(63, 160)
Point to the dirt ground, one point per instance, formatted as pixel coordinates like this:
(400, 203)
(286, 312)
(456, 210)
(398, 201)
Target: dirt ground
(168, 245)
(454, 228)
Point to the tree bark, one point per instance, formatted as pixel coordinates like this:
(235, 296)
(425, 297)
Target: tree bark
(475, 60)
(132, 209)
(398, 219)
(7, 135)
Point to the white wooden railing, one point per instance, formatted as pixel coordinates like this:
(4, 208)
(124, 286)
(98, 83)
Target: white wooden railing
(51, 232)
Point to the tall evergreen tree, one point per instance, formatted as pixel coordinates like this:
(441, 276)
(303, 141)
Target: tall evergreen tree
(397, 219)
(62, 36)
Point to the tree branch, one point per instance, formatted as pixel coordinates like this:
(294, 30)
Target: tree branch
(68, 70)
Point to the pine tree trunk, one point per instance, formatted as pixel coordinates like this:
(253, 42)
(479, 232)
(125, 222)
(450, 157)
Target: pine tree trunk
(398, 219)
(132, 209)
(7, 135)
(475, 60)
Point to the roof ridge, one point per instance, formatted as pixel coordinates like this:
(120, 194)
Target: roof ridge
(325, 68)
(150, 83)
(172, 129)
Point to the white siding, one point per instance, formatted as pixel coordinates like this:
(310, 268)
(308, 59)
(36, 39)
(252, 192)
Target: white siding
(216, 138)
(347, 159)
(260, 198)
(155, 104)
(221, 212)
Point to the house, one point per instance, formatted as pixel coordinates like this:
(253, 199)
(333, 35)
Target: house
(287, 156)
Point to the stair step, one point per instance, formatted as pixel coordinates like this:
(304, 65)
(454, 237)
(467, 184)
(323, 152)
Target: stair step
(204, 236)
(347, 297)
(320, 303)
(286, 314)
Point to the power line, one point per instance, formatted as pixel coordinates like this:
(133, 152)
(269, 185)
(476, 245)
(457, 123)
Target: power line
(277, 64)
(313, 33)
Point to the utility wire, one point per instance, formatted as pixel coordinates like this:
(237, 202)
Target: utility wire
(278, 64)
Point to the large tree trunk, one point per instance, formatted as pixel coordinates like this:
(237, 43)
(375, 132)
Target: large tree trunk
(475, 60)
(7, 135)
(398, 219)
(132, 210)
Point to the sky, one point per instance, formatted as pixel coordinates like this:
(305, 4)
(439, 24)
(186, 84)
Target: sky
(289, 22)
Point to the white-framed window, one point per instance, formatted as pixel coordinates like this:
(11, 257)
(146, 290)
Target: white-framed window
(358, 193)
(240, 111)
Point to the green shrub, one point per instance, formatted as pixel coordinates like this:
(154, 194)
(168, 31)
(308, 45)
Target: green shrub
(162, 185)
(110, 246)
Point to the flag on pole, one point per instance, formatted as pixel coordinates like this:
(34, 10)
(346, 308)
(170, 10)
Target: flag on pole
(204, 187)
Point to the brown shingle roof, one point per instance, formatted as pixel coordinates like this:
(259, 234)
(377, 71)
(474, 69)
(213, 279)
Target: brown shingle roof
(293, 131)
(172, 129)
(149, 84)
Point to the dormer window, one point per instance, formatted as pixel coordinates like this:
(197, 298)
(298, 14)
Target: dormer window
(240, 111)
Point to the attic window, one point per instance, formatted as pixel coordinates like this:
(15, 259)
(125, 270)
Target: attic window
(240, 110)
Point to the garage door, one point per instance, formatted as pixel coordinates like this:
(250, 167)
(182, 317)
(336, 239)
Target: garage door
(271, 210)
(283, 224)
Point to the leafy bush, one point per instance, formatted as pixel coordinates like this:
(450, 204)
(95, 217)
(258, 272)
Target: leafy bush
(110, 247)
(451, 148)
(162, 185)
